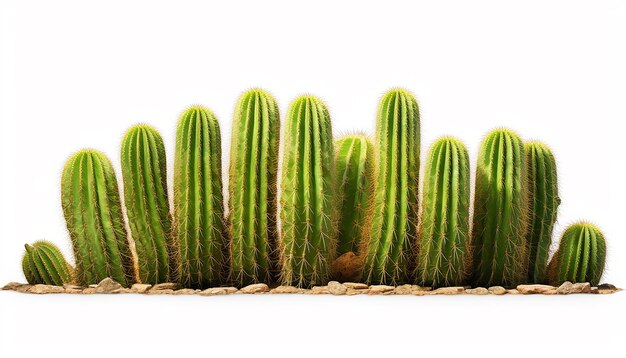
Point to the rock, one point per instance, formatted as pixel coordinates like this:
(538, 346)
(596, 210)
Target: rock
(255, 288)
(185, 291)
(127, 290)
(336, 288)
(214, 291)
(93, 285)
(568, 288)
(89, 291)
(13, 286)
(347, 267)
(565, 288)
(165, 286)
(606, 286)
(287, 289)
(513, 291)
(497, 290)
(108, 285)
(403, 289)
(550, 292)
(319, 290)
(455, 290)
(477, 291)
(605, 291)
(166, 291)
(534, 289)
(594, 290)
(140, 287)
(352, 292)
(73, 289)
(378, 289)
(69, 286)
(44, 289)
(356, 285)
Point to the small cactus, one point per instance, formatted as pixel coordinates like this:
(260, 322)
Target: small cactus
(444, 226)
(390, 251)
(307, 201)
(198, 203)
(147, 205)
(43, 263)
(580, 257)
(354, 163)
(93, 214)
(544, 202)
(252, 189)
(500, 211)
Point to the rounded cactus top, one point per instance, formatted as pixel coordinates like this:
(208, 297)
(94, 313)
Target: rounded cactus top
(503, 131)
(140, 128)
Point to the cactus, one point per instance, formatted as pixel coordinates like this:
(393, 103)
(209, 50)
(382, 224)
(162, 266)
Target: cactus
(253, 189)
(443, 258)
(93, 214)
(391, 247)
(198, 207)
(580, 257)
(354, 163)
(307, 206)
(544, 202)
(44, 263)
(500, 211)
(147, 206)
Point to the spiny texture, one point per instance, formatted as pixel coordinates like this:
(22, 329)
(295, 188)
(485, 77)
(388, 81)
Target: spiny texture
(307, 202)
(500, 211)
(93, 214)
(544, 202)
(198, 207)
(390, 253)
(147, 206)
(253, 188)
(44, 263)
(354, 164)
(444, 227)
(580, 257)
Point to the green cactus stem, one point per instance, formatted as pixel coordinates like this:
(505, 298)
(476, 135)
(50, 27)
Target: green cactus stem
(544, 202)
(43, 263)
(198, 206)
(390, 253)
(307, 202)
(253, 189)
(500, 211)
(354, 163)
(147, 206)
(580, 257)
(443, 258)
(93, 214)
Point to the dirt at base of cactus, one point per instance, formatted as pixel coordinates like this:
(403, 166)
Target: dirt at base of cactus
(108, 286)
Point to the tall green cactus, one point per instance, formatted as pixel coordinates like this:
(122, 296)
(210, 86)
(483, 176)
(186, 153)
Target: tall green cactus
(500, 211)
(198, 207)
(93, 214)
(253, 189)
(544, 202)
(390, 251)
(147, 206)
(44, 263)
(354, 163)
(443, 258)
(580, 257)
(307, 201)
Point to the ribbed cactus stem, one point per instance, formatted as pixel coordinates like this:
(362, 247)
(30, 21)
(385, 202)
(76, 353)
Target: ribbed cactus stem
(307, 202)
(444, 227)
(544, 202)
(580, 257)
(93, 214)
(198, 207)
(500, 211)
(253, 189)
(147, 206)
(354, 162)
(43, 263)
(390, 251)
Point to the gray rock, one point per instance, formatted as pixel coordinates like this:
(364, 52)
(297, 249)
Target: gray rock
(287, 289)
(455, 290)
(534, 289)
(165, 286)
(497, 290)
(44, 289)
(356, 285)
(379, 289)
(477, 291)
(140, 287)
(108, 285)
(255, 288)
(336, 288)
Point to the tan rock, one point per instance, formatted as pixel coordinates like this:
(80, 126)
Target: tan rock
(255, 288)
(89, 291)
(379, 289)
(140, 287)
(72, 286)
(569, 288)
(13, 286)
(477, 291)
(347, 267)
(356, 285)
(604, 291)
(513, 291)
(185, 291)
(455, 290)
(165, 286)
(335, 288)
(319, 290)
(550, 292)
(166, 291)
(108, 285)
(44, 289)
(565, 288)
(287, 289)
(73, 290)
(214, 291)
(497, 290)
(352, 292)
(403, 289)
(534, 289)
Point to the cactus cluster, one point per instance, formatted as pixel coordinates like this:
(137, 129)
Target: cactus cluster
(347, 205)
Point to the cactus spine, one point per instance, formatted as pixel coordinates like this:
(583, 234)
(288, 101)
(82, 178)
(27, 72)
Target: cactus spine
(307, 207)
(444, 227)
(147, 206)
(44, 263)
(500, 211)
(253, 188)
(354, 164)
(93, 214)
(580, 257)
(544, 202)
(390, 251)
(198, 206)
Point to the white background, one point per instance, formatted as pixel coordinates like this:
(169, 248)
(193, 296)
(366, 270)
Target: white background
(75, 74)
